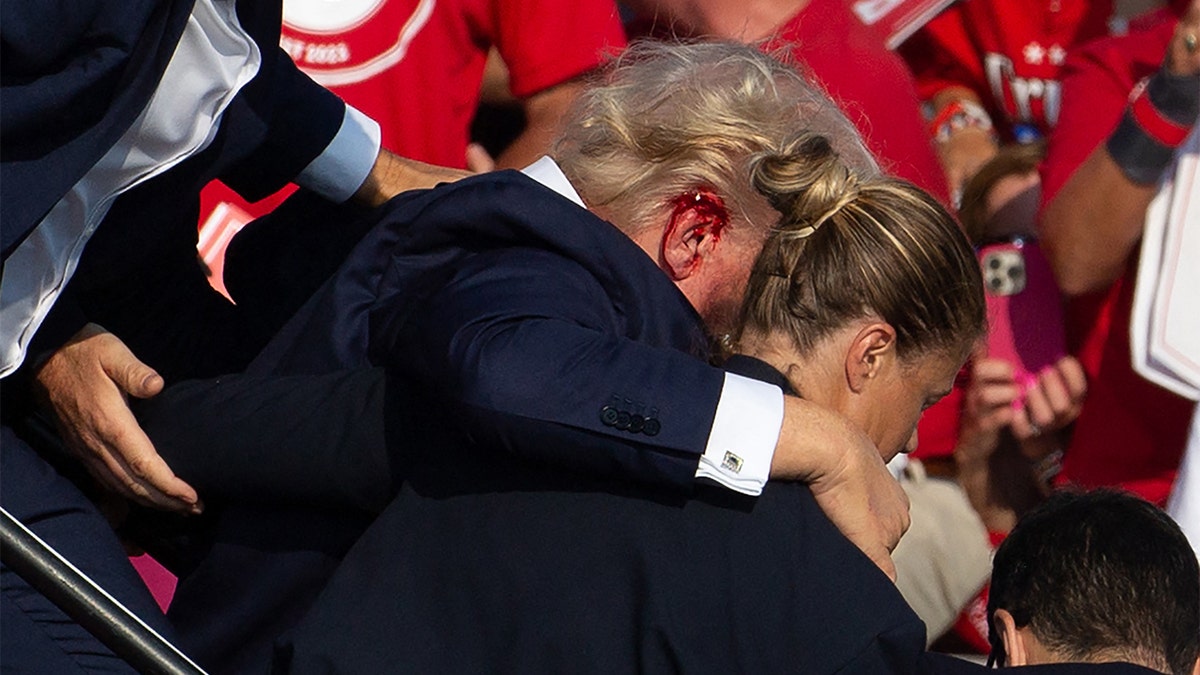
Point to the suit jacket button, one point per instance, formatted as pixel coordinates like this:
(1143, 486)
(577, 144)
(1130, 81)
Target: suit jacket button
(636, 423)
(623, 419)
(652, 427)
(608, 415)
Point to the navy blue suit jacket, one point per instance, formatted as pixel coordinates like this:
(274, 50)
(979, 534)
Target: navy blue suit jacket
(530, 319)
(75, 77)
(487, 563)
(527, 319)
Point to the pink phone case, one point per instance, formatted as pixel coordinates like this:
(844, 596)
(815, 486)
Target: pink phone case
(1024, 307)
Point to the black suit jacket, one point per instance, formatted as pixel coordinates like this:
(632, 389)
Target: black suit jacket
(488, 563)
(139, 276)
(532, 323)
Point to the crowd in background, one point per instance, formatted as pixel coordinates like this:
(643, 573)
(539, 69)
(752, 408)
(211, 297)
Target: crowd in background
(1047, 127)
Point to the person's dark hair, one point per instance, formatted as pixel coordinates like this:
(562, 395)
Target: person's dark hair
(1100, 575)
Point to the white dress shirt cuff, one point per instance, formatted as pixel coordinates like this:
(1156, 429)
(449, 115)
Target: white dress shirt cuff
(344, 165)
(744, 434)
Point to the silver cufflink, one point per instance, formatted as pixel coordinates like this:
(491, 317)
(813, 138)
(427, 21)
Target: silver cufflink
(732, 462)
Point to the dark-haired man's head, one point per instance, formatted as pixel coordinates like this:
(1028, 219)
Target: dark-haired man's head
(1096, 577)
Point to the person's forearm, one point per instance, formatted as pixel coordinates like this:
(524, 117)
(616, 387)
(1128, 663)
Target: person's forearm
(393, 174)
(1093, 224)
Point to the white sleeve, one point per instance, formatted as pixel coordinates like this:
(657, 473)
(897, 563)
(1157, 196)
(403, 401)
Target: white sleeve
(744, 434)
(343, 166)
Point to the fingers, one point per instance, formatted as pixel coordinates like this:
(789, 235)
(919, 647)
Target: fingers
(85, 384)
(132, 376)
(479, 160)
(1076, 380)
(894, 527)
(128, 462)
(883, 560)
(992, 370)
(990, 397)
(1022, 426)
(1037, 409)
(1054, 401)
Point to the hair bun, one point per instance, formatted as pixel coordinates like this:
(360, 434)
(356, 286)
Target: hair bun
(805, 181)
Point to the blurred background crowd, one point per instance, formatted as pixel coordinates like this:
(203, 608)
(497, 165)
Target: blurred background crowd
(1061, 133)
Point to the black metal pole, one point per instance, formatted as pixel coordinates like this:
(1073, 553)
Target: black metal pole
(86, 603)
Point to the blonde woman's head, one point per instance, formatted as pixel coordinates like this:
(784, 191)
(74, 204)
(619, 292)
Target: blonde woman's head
(865, 281)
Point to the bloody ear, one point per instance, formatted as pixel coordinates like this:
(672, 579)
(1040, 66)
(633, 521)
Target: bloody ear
(697, 222)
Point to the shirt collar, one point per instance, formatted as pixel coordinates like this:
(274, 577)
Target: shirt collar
(547, 172)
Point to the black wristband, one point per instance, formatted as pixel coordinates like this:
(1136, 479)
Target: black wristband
(1139, 156)
(1168, 101)
(1177, 97)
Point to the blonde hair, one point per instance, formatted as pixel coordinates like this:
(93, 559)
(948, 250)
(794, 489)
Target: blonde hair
(850, 246)
(669, 117)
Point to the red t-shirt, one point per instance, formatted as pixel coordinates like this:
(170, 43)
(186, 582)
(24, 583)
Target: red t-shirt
(871, 83)
(416, 66)
(1131, 432)
(1009, 52)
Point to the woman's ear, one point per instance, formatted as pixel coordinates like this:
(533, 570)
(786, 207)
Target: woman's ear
(694, 229)
(872, 349)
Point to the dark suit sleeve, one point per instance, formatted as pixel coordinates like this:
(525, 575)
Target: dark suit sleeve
(301, 116)
(298, 440)
(537, 358)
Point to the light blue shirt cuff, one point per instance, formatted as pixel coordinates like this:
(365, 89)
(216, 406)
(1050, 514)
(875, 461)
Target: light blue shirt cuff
(344, 165)
(744, 435)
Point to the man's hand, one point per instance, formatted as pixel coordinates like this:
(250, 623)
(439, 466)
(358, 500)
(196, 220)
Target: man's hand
(86, 384)
(847, 476)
